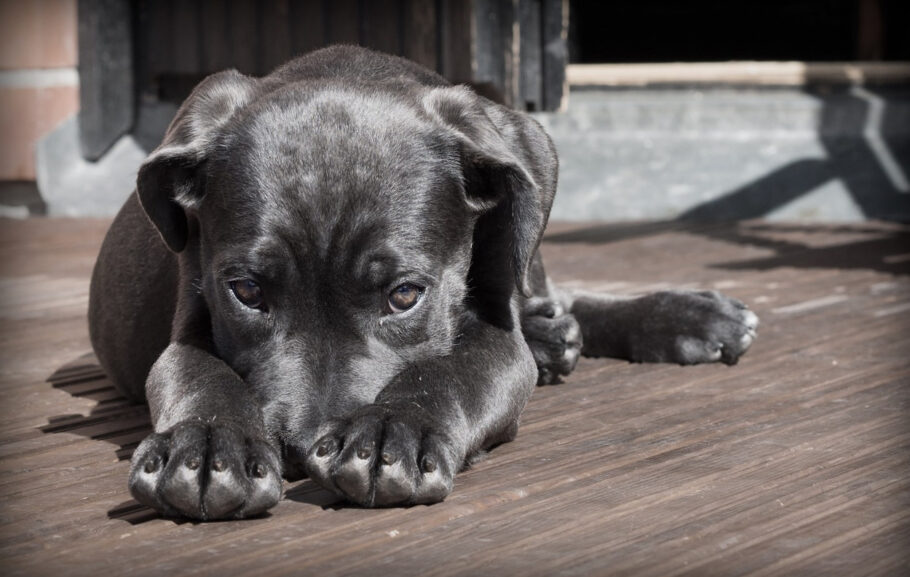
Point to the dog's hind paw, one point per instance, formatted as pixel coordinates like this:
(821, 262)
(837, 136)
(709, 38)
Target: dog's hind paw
(553, 336)
(384, 456)
(205, 472)
(691, 327)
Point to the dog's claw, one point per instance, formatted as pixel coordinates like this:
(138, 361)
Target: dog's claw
(152, 464)
(259, 471)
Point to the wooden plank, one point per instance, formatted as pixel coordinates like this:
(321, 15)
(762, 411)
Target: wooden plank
(495, 50)
(455, 40)
(344, 22)
(308, 26)
(793, 462)
(555, 42)
(531, 28)
(420, 30)
(187, 25)
(244, 35)
(381, 28)
(216, 35)
(275, 25)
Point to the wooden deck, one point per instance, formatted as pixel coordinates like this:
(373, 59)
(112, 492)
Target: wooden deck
(794, 462)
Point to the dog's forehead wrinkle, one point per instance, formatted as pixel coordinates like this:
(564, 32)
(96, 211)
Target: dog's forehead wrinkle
(356, 227)
(319, 157)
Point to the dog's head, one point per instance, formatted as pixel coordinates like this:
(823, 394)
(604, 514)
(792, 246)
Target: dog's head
(333, 234)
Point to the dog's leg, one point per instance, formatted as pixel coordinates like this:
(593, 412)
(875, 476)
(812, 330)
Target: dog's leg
(406, 447)
(685, 327)
(209, 457)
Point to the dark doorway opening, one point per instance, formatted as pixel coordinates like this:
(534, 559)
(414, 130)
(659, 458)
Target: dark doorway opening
(718, 30)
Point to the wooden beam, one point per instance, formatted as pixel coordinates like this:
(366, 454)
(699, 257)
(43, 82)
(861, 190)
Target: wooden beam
(105, 74)
(555, 53)
(531, 55)
(739, 73)
(419, 32)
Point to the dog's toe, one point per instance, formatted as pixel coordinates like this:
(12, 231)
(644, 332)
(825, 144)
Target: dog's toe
(437, 471)
(263, 472)
(147, 469)
(353, 471)
(750, 320)
(397, 471)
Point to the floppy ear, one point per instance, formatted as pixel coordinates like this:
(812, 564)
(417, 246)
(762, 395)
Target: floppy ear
(171, 179)
(509, 169)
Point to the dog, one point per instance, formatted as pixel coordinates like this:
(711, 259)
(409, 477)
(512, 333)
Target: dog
(333, 271)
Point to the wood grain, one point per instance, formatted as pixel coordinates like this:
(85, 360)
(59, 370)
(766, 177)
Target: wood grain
(794, 462)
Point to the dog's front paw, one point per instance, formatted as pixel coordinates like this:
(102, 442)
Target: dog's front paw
(553, 336)
(690, 327)
(383, 456)
(205, 471)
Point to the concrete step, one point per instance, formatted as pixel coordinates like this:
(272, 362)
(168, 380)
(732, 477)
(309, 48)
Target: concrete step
(835, 154)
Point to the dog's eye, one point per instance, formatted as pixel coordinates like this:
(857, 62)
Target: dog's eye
(248, 292)
(404, 297)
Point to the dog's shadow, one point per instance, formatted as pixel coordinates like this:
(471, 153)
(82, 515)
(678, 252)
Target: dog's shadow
(123, 423)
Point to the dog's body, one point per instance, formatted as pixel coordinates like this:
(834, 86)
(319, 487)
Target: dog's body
(349, 287)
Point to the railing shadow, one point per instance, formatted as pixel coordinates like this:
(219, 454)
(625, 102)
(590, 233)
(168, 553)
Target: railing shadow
(114, 419)
(882, 249)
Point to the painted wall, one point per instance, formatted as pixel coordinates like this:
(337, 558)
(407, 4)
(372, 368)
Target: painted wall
(39, 81)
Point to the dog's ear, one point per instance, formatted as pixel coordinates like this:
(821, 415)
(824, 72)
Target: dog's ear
(509, 169)
(171, 180)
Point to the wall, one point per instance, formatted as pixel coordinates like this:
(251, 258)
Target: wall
(826, 153)
(39, 82)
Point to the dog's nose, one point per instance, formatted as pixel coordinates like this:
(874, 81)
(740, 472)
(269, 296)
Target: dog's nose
(293, 462)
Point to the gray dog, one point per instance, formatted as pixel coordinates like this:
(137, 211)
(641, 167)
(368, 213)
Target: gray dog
(332, 271)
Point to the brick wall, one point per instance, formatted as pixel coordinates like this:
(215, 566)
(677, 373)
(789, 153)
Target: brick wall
(39, 82)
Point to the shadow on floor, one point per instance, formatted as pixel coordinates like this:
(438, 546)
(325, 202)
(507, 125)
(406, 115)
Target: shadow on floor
(888, 252)
(114, 419)
(883, 250)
